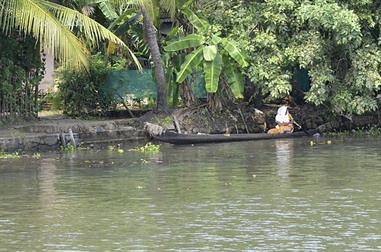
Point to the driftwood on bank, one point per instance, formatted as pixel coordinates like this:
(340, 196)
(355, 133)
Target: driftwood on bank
(177, 124)
(153, 129)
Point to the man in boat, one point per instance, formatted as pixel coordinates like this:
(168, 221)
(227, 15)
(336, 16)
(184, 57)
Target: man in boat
(284, 121)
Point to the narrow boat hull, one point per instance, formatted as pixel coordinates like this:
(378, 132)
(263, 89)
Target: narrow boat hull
(175, 138)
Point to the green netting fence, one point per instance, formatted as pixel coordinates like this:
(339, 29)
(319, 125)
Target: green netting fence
(140, 85)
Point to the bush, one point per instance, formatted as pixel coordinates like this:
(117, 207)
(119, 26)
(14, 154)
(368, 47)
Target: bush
(21, 70)
(82, 92)
(336, 42)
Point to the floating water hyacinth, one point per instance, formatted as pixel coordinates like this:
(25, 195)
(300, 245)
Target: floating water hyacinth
(148, 148)
(14, 155)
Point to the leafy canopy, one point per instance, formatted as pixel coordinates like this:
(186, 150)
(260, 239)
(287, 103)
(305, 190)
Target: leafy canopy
(336, 41)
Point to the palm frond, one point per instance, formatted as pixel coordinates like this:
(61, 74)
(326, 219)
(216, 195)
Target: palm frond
(92, 31)
(33, 18)
(7, 17)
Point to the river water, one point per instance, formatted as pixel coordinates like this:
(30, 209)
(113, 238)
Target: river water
(271, 195)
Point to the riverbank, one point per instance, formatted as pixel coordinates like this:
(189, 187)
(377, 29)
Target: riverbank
(51, 132)
(248, 119)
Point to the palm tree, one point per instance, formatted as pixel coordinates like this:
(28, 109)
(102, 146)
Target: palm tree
(55, 27)
(150, 32)
(148, 9)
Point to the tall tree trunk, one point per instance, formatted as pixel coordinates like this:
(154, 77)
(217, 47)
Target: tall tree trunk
(150, 32)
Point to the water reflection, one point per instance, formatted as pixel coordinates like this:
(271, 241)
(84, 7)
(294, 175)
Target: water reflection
(201, 197)
(284, 154)
(46, 177)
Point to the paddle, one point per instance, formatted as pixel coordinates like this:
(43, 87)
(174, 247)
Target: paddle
(300, 127)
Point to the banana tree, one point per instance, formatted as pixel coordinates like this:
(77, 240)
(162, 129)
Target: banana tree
(212, 53)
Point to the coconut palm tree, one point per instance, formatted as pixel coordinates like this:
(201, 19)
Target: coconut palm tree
(148, 9)
(151, 36)
(55, 27)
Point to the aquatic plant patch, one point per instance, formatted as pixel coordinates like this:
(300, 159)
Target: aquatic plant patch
(14, 155)
(148, 148)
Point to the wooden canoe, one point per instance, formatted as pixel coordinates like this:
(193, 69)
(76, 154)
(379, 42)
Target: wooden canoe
(176, 138)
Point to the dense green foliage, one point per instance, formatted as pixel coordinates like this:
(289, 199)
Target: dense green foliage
(21, 70)
(20, 63)
(82, 92)
(336, 41)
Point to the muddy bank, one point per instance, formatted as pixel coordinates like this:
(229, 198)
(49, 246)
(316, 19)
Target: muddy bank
(239, 119)
(248, 119)
(50, 134)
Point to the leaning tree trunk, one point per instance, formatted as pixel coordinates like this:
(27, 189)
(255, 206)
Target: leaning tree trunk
(150, 32)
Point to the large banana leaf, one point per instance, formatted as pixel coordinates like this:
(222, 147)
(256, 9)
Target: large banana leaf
(212, 72)
(128, 17)
(215, 39)
(235, 80)
(108, 10)
(192, 40)
(197, 22)
(234, 52)
(210, 52)
(124, 28)
(191, 62)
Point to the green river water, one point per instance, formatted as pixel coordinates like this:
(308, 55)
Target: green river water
(272, 195)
